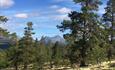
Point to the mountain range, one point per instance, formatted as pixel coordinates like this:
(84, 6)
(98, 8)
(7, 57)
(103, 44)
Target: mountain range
(5, 42)
(52, 40)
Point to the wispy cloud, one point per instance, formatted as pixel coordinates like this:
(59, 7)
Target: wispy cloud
(64, 10)
(54, 6)
(6, 3)
(60, 17)
(27, 14)
(21, 15)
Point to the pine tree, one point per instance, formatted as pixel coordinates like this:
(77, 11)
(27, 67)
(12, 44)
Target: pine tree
(83, 27)
(97, 55)
(57, 54)
(3, 59)
(14, 52)
(109, 21)
(40, 56)
(26, 44)
(14, 56)
(36, 43)
(3, 19)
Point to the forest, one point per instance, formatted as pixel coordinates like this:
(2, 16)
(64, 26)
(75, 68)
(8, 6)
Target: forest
(89, 42)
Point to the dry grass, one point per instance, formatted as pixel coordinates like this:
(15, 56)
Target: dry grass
(103, 66)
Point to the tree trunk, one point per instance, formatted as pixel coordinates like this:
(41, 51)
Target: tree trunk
(16, 66)
(83, 57)
(51, 64)
(25, 67)
(82, 63)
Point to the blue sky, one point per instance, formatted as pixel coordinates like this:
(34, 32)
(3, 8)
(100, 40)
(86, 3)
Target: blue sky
(45, 15)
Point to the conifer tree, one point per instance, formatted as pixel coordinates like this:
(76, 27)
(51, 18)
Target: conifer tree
(40, 56)
(57, 53)
(14, 52)
(84, 26)
(3, 19)
(109, 21)
(26, 44)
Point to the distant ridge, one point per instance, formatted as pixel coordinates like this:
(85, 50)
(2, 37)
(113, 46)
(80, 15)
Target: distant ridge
(52, 40)
(5, 42)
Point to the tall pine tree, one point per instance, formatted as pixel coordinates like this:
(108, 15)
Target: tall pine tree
(26, 44)
(109, 21)
(84, 28)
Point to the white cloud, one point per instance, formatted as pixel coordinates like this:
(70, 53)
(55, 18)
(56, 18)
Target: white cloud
(54, 6)
(64, 10)
(6, 3)
(21, 15)
(61, 17)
